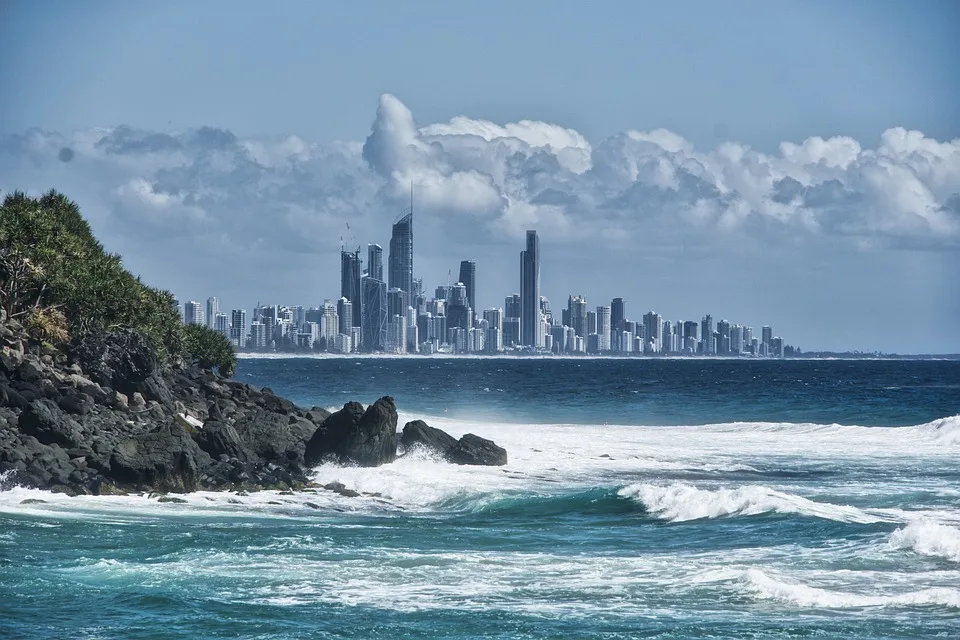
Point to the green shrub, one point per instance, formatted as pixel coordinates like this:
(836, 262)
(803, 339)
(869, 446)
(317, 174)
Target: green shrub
(58, 279)
(209, 349)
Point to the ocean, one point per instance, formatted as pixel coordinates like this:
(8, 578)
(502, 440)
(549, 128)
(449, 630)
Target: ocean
(643, 498)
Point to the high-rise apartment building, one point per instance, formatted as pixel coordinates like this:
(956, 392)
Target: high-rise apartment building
(192, 313)
(375, 314)
(618, 314)
(401, 256)
(468, 276)
(577, 313)
(238, 328)
(350, 283)
(345, 316)
(603, 329)
(706, 334)
(530, 292)
(511, 306)
(213, 308)
(221, 324)
(375, 261)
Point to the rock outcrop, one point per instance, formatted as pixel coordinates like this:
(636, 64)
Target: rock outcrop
(104, 416)
(352, 435)
(470, 449)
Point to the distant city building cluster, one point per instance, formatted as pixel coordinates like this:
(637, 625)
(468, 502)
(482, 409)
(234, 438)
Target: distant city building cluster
(395, 316)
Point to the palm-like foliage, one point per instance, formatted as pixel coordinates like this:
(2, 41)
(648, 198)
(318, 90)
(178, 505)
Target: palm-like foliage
(56, 277)
(209, 349)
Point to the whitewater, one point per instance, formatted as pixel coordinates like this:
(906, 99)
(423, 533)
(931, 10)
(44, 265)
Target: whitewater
(723, 530)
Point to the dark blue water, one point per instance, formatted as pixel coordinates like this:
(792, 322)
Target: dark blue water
(643, 498)
(620, 391)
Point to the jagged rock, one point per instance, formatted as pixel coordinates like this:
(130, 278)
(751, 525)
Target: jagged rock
(46, 422)
(31, 369)
(119, 359)
(220, 439)
(419, 433)
(472, 449)
(137, 401)
(367, 438)
(76, 403)
(339, 487)
(163, 460)
(11, 359)
(274, 436)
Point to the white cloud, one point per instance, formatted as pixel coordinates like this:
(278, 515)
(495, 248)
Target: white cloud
(488, 182)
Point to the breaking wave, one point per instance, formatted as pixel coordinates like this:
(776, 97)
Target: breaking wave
(929, 539)
(770, 588)
(681, 502)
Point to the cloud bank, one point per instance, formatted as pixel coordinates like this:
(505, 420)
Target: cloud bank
(498, 180)
(207, 203)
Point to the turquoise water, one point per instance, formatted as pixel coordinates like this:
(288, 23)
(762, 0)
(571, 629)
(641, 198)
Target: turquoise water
(651, 498)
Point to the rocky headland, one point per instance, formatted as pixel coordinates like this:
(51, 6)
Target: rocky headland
(105, 415)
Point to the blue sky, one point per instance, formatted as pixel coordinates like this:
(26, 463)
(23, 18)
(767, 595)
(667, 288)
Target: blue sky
(857, 249)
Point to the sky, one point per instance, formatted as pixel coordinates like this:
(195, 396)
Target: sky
(787, 163)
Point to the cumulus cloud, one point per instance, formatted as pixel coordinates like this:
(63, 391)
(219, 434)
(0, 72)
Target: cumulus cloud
(489, 182)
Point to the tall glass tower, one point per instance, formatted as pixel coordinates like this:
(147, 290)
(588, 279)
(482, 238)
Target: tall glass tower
(530, 291)
(350, 282)
(468, 276)
(401, 256)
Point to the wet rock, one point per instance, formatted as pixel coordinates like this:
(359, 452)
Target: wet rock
(163, 460)
(46, 422)
(367, 438)
(419, 433)
(472, 449)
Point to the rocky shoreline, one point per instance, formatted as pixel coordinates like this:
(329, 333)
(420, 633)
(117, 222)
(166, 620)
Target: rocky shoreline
(103, 416)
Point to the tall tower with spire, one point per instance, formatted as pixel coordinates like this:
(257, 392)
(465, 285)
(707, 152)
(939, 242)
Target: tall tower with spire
(401, 253)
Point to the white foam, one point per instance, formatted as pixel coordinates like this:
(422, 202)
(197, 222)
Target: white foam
(768, 587)
(929, 539)
(680, 502)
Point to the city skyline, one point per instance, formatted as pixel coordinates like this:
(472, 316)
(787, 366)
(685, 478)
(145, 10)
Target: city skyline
(394, 321)
(821, 196)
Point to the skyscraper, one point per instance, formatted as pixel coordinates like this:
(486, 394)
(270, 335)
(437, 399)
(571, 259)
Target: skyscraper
(468, 276)
(401, 255)
(375, 261)
(213, 308)
(350, 282)
(238, 327)
(345, 316)
(374, 310)
(530, 291)
(577, 312)
(706, 334)
(511, 306)
(603, 329)
(192, 312)
(617, 317)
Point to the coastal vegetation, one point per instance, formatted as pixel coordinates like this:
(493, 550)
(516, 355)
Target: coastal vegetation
(60, 283)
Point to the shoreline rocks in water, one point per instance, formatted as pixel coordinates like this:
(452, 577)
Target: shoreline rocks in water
(468, 450)
(105, 417)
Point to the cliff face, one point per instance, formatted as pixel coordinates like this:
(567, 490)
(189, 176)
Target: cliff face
(103, 416)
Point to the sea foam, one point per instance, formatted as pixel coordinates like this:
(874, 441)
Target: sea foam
(680, 502)
(929, 539)
(768, 587)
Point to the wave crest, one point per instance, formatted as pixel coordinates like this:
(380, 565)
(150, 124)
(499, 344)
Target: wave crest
(681, 502)
(929, 539)
(767, 587)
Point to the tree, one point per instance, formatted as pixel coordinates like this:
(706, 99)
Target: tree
(209, 350)
(58, 279)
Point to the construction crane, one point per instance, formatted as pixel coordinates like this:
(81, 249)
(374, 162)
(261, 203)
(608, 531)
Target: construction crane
(352, 237)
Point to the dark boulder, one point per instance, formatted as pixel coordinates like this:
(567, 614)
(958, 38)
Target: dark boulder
(46, 422)
(163, 460)
(219, 438)
(274, 436)
(419, 434)
(472, 449)
(120, 359)
(76, 403)
(367, 438)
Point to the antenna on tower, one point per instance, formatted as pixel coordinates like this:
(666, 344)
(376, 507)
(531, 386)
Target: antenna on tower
(411, 197)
